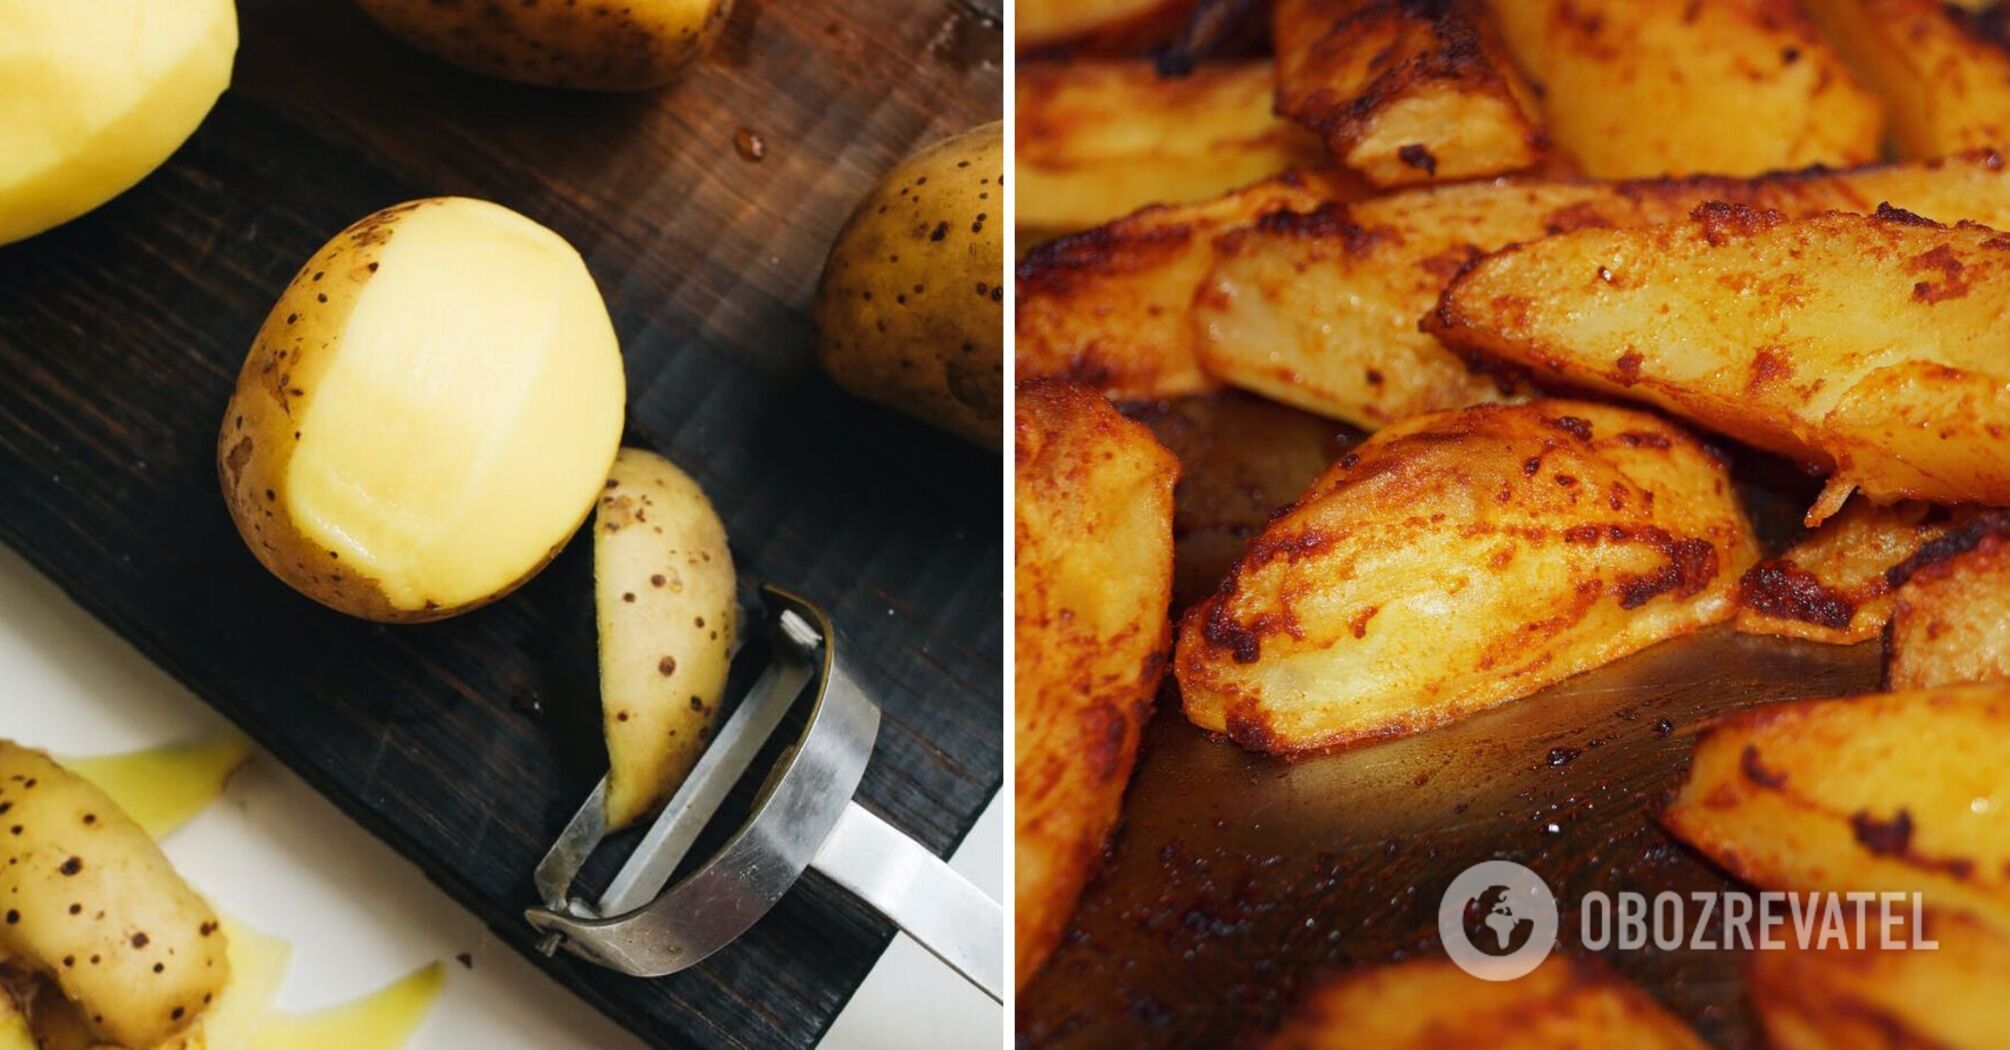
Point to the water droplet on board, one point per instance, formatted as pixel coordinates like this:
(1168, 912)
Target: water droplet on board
(751, 145)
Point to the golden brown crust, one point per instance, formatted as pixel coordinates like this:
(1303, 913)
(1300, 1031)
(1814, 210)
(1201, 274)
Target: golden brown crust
(1951, 622)
(1830, 587)
(1405, 91)
(1842, 998)
(1459, 560)
(1107, 27)
(1092, 524)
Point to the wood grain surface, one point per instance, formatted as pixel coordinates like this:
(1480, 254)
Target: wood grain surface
(121, 334)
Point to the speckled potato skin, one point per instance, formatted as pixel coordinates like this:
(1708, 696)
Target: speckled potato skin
(603, 45)
(90, 901)
(911, 309)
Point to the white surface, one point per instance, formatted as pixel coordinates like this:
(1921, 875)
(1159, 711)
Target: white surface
(276, 855)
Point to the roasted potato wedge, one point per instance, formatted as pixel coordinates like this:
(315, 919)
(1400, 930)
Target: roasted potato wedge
(1110, 307)
(1873, 794)
(1098, 25)
(1405, 92)
(1459, 560)
(1100, 139)
(1868, 346)
(1945, 85)
(1430, 1004)
(1951, 621)
(1640, 88)
(1093, 524)
(1950, 996)
(93, 905)
(1830, 587)
(1282, 290)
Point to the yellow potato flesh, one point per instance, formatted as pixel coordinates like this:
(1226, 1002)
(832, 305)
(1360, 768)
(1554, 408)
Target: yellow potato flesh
(469, 411)
(383, 1020)
(258, 963)
(93, 96)
(161, 788)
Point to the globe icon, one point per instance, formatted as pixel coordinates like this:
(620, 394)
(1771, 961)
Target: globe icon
(1493, 925)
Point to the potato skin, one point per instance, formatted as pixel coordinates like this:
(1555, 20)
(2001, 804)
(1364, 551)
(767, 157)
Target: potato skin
(93, 904)
(1831, 587)
(1093, 574)
(1951, 618)
(1872, 793)
(1775, 332)
(1427, 1004)
(595, 44)
(1459, 560)
(910, 310)
(1405, 93)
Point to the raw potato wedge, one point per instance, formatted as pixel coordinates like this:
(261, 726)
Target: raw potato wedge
(1874, 794)
(1641, 88)
(427, 413)
(1946, 86)
(1831, 587)
(664, 587)
(1951, 623)
(1316, 304)
(1404, 92)
(603, 45)
(1100, 139)
(1430, 1004)
(1838, 999)
(1866, 346)
(1459, 560)
(92, 904)
(1111, 307)
(1098, 25)
(1093, 524)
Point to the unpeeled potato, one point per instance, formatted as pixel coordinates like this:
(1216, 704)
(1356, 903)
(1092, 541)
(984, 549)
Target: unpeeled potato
(427, 414)
(93, 96)
(911, 309)
(607, 45)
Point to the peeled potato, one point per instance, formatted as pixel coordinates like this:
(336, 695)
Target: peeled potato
(91, 903)
(427, 414)
(599, 44)
(93, 96)
(911, 309)
(663, 583)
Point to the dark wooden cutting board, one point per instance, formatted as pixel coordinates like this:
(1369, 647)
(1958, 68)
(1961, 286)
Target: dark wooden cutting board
(121, 334)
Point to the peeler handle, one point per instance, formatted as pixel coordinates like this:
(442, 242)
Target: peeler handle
(937, 907)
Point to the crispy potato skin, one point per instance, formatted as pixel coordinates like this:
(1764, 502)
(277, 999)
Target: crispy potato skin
(1867, 794)
(1288, 289)
(1945, 83)
(1838, 999)
(1459, 560)
(1098, 26)
(1099, 139)
(1110, 307)
(1405, 92)
(1430, 1004)
(1830, 587)
(1868, 346)
(1093, 526)
(93, 905)
(1640, 88)
(596, 44)
(910, 309)
(1951, 621)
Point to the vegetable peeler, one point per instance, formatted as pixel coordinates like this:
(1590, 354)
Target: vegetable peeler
(803, 817)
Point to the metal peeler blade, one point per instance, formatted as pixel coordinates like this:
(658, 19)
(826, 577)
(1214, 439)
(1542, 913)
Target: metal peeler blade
(805, 817)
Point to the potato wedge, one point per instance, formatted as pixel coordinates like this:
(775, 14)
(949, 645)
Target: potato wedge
(601, 45)
(1285, 290)
(1459, 560)
(1868, 346)
(1404, 92)
(427, 413)
(1837, 999)
(1830, 587)
(1097, 140)
(1429, 1004)
(1093, 524)
(1893, 792)
(1951, 617)
(92, 904)
(663, 586)
(1946, 86)
(1110, 307)
(1642, 88)
(1098, 25)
